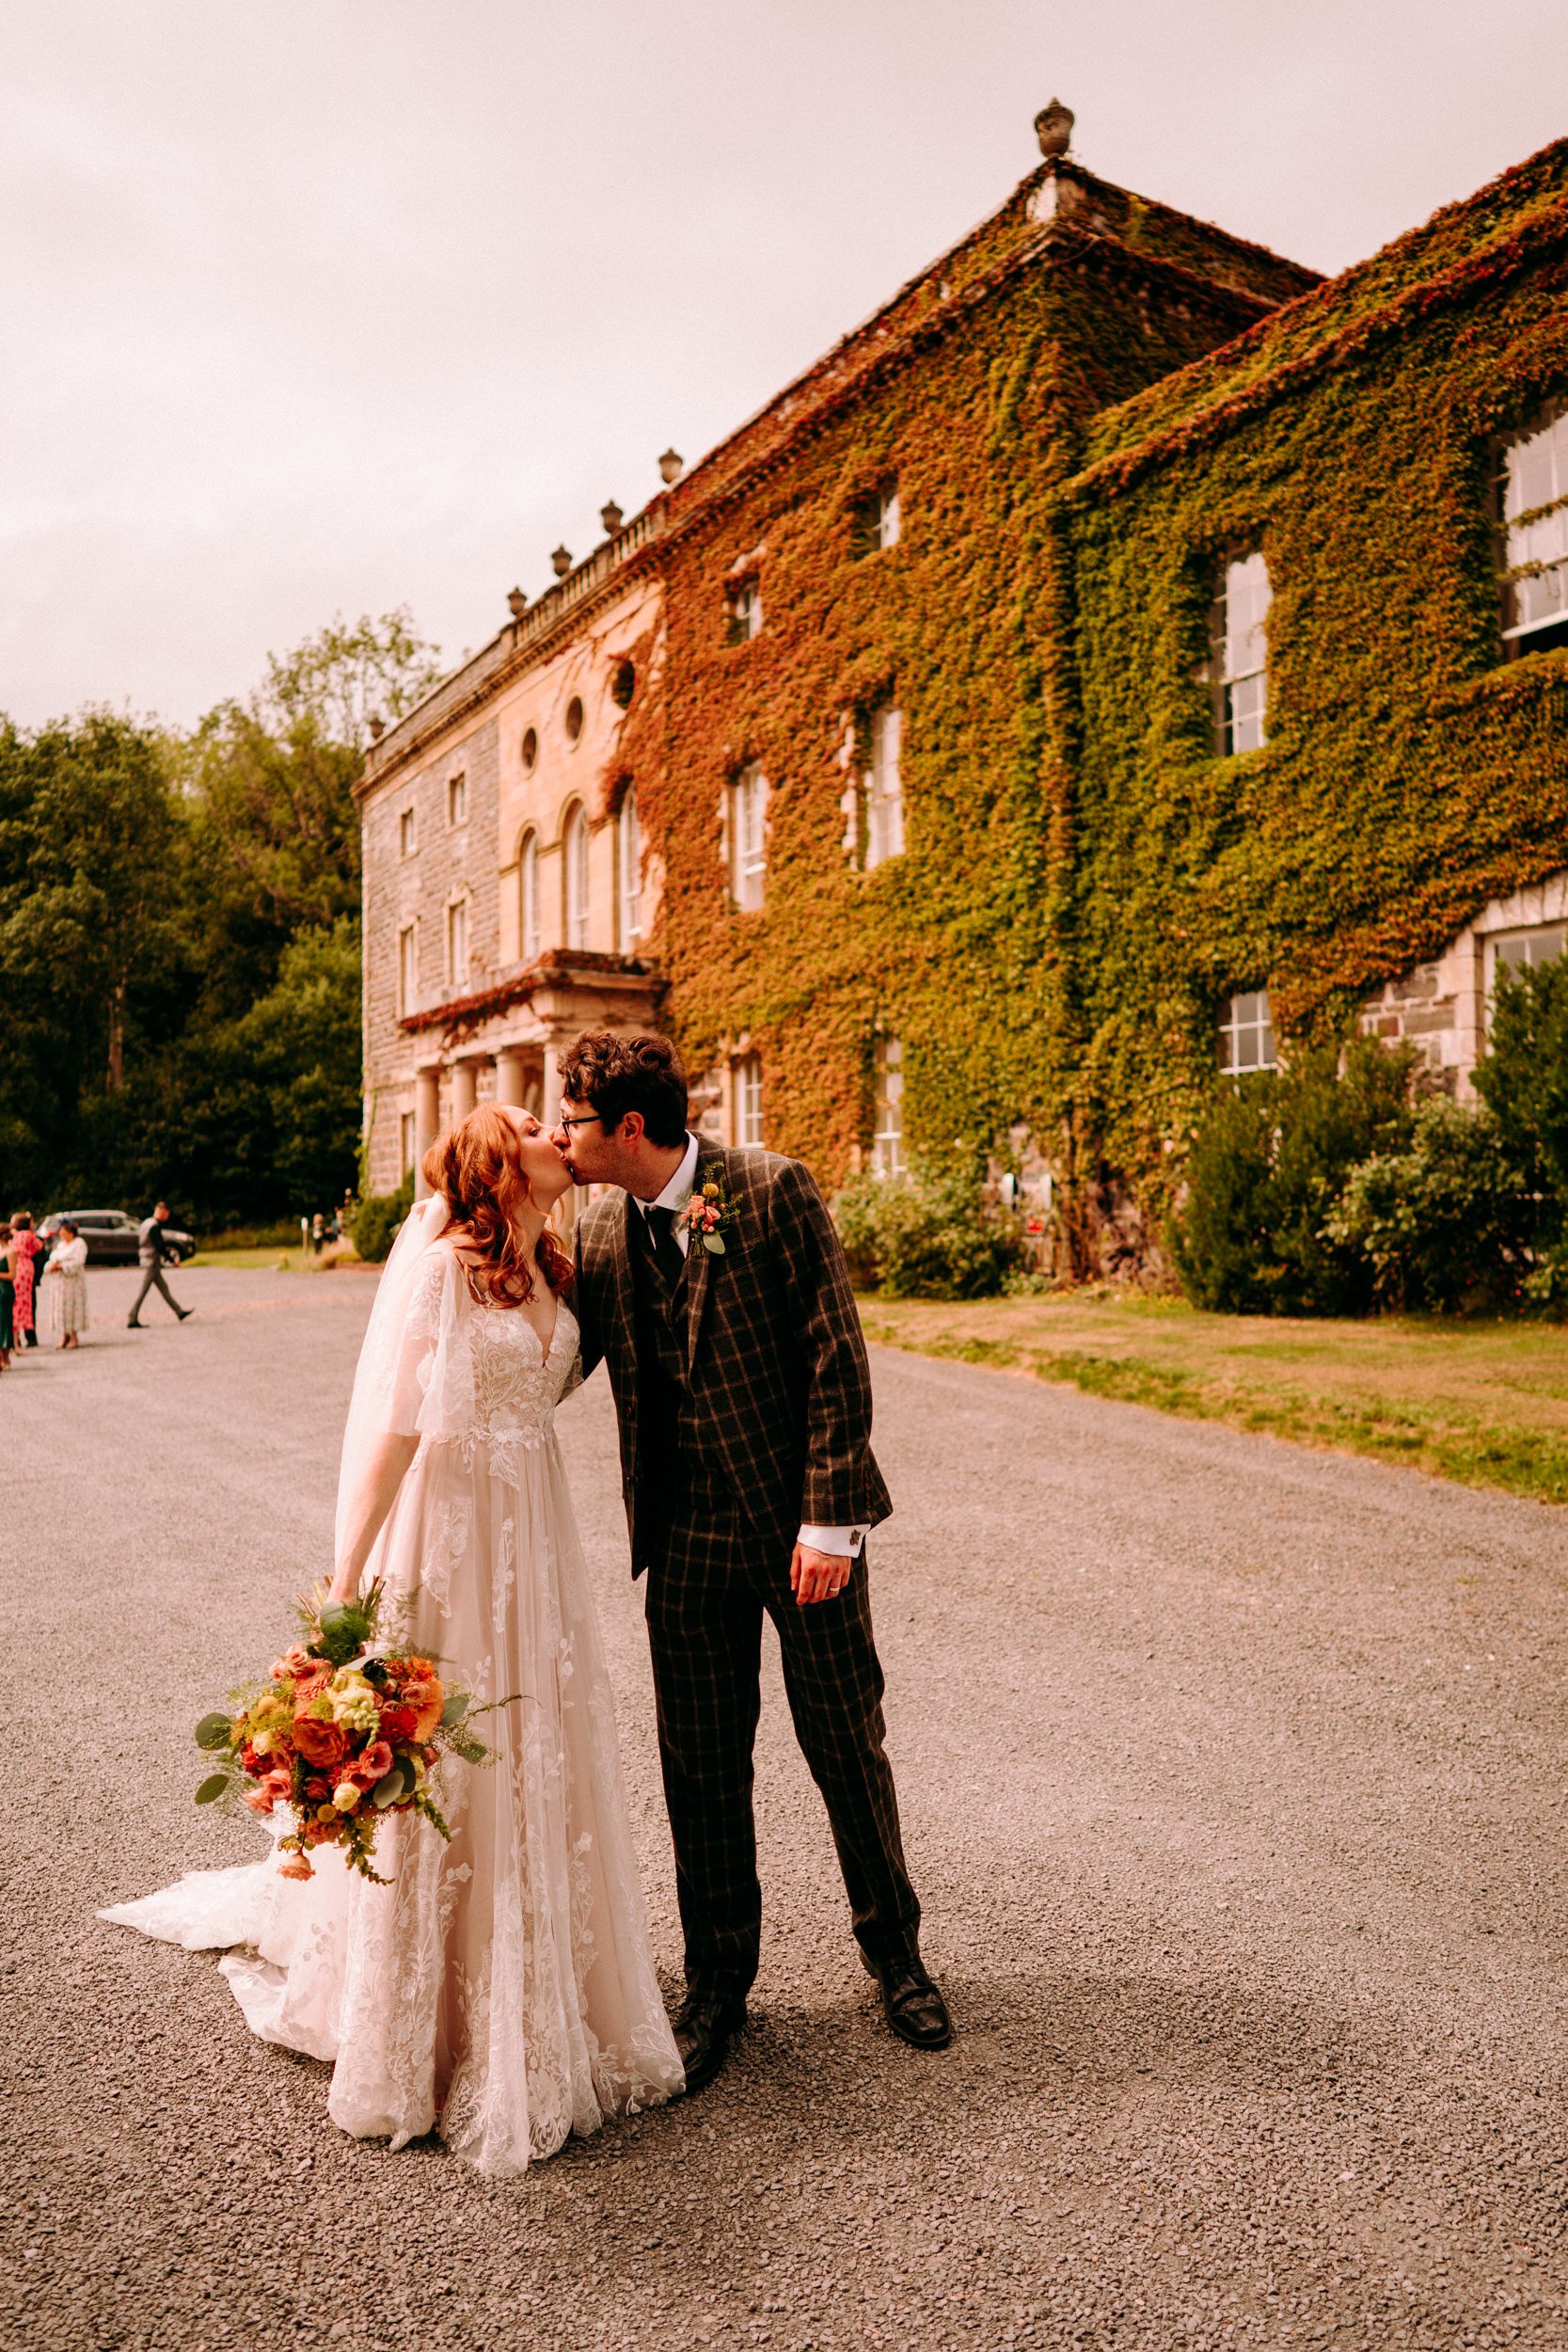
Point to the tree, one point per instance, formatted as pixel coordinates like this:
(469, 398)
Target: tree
(180, 945)
(270, 784)
(348, 673)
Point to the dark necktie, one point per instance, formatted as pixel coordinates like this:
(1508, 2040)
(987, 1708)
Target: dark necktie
(667, 1249)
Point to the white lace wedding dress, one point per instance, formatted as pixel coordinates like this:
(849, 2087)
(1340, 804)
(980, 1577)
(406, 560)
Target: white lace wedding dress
(501, 1988)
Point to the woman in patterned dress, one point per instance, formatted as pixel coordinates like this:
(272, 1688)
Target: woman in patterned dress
(68, 1291)
(8, 1298)
(27, 1248)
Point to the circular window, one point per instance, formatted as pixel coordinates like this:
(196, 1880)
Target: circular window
(531, 750)
(624, 684)
(573, 719)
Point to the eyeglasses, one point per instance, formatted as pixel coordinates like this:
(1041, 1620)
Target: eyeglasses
(587, 1120)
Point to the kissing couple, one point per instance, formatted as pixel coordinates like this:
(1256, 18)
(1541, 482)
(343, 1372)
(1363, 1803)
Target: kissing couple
(500, 1990)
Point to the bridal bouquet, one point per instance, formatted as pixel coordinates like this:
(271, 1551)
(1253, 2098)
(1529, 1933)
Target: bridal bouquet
(344, 1730)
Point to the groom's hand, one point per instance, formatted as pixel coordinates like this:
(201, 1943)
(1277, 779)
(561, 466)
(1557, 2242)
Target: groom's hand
(816, 1575)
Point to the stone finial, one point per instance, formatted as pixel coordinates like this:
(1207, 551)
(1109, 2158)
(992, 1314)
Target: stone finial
(671, 466)
(612, 518)
(1054, 129)
(517, 602)
(377, 725)
(562, 562)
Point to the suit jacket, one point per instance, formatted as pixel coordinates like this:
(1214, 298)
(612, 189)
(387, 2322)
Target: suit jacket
(775, 1360)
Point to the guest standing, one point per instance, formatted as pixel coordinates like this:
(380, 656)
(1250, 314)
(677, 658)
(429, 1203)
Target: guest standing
(27, 1248)
(7, 1296)
(68, 1291)
(152, 1249)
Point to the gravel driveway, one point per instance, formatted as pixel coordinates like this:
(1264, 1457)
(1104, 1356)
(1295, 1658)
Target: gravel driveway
(1233, 1782)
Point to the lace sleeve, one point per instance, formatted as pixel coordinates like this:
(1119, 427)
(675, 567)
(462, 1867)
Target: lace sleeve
(417, 1346)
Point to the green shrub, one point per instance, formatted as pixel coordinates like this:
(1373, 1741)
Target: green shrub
(1523, 1080)
(1446, 1224)
(929, 1235)
(377, 1218)
(1267, 1171)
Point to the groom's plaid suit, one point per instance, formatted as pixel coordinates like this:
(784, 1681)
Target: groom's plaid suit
(744, 1400)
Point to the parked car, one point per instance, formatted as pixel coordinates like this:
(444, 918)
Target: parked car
(111, 1236)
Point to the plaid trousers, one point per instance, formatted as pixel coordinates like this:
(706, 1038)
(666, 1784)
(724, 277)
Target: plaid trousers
(711, 1578)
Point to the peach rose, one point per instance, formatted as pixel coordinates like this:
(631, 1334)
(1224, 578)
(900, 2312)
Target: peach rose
(425, 1701)
(260, 1800)
(321, 1744)
(374, 1764)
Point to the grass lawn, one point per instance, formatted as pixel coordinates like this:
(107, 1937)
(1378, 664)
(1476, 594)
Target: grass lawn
(295, 1261)
(1484, 1403)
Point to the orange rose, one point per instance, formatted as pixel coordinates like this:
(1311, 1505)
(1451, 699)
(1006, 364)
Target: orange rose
(322, 1745)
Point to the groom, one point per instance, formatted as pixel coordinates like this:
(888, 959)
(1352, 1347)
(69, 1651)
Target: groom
(714, 1287)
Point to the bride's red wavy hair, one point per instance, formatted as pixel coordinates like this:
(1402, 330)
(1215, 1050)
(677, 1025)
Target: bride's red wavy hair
(477, 1167)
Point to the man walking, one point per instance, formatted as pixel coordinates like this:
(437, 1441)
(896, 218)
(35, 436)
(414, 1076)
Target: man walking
(714, 1287)
(151, 1251)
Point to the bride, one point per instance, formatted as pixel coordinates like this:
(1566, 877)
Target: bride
(500, 1989)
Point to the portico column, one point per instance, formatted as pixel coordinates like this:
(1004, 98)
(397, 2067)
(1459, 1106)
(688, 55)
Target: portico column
(511, 1081)
(549, 1108)
(427, 1114)
(465, 1090)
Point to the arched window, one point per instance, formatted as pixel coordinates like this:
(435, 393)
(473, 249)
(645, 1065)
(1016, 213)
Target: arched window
(629, 839)
(529, 930)
(575, 876)
(1239, 669)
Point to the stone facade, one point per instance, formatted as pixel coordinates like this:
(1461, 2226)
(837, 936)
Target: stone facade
(993, 519)
(514, 751)
(1441, 1008)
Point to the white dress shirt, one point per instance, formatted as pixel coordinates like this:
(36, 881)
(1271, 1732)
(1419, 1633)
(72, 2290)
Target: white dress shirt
(842, 1543)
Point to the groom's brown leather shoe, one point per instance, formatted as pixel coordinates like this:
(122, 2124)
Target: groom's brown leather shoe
(705, 2027)
(911, 2003)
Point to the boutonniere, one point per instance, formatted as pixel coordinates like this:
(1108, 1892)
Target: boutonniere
(707, 1216)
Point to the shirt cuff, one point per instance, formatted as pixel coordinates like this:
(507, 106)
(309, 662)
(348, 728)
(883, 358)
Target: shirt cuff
(842, 1543)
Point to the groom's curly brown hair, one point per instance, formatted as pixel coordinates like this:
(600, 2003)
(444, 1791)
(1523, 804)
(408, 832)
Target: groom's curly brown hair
(614, 1074)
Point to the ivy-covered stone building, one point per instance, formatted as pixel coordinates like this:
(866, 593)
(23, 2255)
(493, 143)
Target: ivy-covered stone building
(1123, 654)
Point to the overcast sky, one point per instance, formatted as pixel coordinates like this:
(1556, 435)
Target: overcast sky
(326, 305)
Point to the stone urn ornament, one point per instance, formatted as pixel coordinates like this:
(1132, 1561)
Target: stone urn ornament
(1054, 129)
